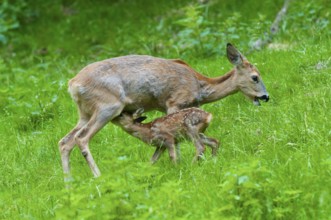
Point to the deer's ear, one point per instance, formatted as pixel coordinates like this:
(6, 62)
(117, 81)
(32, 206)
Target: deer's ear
(140, 119)
(234, 55)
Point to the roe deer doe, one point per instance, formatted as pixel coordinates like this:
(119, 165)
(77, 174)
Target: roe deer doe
(104, 89)
(166, 132)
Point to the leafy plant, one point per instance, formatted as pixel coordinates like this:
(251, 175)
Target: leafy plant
(202, 36)
(9, 17)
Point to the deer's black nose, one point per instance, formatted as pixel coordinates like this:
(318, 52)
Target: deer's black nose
(264, 98)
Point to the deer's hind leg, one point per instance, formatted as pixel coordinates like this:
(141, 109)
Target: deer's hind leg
(101, 116)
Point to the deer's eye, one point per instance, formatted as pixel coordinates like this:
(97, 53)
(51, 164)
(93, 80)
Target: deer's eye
(255, 78)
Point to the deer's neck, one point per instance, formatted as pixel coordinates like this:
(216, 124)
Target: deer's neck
(213, 89)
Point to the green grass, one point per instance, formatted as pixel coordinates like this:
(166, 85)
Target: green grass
(274, 162)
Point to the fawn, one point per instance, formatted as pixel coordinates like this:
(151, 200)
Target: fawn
(166, 132)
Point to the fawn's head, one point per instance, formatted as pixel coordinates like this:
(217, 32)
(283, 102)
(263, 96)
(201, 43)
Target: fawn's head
(248, 78)
(125, 118)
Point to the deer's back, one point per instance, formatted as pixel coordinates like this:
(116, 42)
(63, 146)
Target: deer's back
(140, 81)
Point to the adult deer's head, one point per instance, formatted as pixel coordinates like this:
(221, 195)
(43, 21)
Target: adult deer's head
(247, 76)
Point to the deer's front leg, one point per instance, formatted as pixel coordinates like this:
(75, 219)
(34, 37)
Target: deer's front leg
(66, 145)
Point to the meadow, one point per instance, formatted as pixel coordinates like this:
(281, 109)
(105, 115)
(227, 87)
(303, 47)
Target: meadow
(274, 161)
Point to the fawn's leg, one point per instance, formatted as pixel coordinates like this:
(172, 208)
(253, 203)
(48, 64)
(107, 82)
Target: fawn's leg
(158, 152)
(210, 142)
(163, 140)
(169, 142)
(172, 152)
(178, 152)
(200, 148)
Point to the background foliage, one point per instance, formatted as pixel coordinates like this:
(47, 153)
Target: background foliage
(275, 161)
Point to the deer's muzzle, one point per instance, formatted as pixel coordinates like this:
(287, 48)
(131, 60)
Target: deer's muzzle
(264, 98)
(257, 98)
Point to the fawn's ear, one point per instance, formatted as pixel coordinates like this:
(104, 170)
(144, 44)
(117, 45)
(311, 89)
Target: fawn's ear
(138, 113)
(140, 119)
(234, 56)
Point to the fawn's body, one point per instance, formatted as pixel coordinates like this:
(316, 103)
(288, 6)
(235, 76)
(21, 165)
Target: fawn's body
(166, 132)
